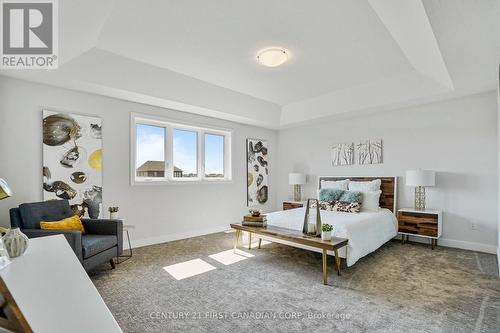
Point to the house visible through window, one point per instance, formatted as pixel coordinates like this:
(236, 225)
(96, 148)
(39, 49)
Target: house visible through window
(164, 151)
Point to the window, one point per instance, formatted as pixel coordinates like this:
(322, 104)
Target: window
(214, 155)
(164, 151)
(185, 154)
(150, 151)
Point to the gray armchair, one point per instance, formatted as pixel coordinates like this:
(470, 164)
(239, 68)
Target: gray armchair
(102, 241)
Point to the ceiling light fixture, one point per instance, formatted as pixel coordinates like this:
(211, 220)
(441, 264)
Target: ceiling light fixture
(272, 56)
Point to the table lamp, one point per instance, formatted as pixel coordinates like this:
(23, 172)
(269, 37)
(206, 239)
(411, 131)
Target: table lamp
(420, 179)
(5, 190)
(296, 179)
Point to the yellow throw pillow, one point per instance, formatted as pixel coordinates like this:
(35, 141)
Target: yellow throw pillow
(69, 223)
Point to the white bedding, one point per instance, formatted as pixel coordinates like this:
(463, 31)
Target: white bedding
(366, 231)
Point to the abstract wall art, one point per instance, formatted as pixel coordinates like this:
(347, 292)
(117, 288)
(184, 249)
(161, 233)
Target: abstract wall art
(257, 172)
(72, 161)
(370, 152)
(343, 154)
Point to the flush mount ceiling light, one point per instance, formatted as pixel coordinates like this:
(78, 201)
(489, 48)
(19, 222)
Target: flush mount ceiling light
(272, 56)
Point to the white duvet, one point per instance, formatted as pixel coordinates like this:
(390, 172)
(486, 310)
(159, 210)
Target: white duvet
(366, 231)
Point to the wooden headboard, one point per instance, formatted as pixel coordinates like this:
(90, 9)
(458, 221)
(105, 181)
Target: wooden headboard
(389, 188)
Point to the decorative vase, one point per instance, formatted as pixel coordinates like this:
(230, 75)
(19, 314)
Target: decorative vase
(326, 235)
(113, 215)
(15, 242)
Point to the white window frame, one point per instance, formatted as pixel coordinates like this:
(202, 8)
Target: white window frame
(170, 125)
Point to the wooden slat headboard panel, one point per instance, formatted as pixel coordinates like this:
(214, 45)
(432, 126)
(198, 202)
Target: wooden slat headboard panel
(389, 188)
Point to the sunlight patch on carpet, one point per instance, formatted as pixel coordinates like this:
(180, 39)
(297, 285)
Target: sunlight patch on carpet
(229, 257)
(188, 268)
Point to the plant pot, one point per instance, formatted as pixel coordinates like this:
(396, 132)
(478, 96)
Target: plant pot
(15, 242)
(326, 235)
(113, 215)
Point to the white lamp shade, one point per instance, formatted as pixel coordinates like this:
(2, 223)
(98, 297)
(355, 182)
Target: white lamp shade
(420, 178)
(5, 191)
(296, 178)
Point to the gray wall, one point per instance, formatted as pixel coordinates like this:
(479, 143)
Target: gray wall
(457, 138)
(160, 213)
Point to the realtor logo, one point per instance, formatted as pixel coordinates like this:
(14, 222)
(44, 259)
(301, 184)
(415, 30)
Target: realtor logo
(29, 34)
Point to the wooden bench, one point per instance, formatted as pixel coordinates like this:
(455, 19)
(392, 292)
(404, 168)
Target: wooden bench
(294, 236)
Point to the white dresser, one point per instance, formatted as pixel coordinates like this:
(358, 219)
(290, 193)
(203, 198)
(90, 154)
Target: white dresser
(54, 292)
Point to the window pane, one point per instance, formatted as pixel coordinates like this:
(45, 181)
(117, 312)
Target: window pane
(185, 154)
(150, 151)
(214, 156)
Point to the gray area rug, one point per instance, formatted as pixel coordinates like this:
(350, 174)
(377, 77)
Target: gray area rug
(398, 288)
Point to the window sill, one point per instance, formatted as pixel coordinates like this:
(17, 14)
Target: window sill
(180, 182)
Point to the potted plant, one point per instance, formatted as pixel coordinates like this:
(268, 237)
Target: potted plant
(113, 212)
(326, 231)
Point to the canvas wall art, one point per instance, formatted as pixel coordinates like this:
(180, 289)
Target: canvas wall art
(257, 172)
(72, 161)
(370, 152)
(343, 154)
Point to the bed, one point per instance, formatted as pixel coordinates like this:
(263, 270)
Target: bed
(366, 231)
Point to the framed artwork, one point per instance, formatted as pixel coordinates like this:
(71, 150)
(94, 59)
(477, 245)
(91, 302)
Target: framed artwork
(72, 161)
(370, 152)
(343, 154)
(257, 172)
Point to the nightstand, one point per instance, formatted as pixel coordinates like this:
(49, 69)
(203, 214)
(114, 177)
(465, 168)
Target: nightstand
(293, 204)
(422, 223)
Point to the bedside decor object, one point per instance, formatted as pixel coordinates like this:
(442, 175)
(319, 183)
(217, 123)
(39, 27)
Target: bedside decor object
(15, 242)
(422, 223)
(296, 179)
(312, 222)
(343, 154)
(5, 190)
(257, 172)
(326, 231)
(420, 179)
(113, 213)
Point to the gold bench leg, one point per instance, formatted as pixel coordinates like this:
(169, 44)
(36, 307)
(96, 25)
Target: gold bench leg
(249, 240)
(337, 260)
(260, 241)
(325, 269)
(236, 238)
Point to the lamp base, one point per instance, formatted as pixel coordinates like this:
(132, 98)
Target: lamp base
(419, 198)
(296, 192)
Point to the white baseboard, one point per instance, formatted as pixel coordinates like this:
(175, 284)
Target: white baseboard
(487, 248)
(168, 238)
(200, 232)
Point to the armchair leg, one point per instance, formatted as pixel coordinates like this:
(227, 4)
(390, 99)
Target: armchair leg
(113, 265)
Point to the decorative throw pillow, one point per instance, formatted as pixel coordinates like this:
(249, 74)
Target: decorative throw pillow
(70, 223)
(351, 196)
(330, 194)
(371, 201)
(338, 184)
(368, 186)
(346, 207)
(323, 205)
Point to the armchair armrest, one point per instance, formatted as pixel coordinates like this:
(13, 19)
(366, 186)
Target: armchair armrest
(74, 238)
(105, 227)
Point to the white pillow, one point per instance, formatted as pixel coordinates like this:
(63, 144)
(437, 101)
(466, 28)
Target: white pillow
(337, 184)
(369, 186)
(370, 201)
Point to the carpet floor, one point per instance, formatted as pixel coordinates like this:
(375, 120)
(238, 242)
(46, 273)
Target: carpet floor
(398, 288)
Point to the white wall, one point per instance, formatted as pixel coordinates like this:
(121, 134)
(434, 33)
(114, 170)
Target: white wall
(160, 213)
(498, 204)
(457, 138)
